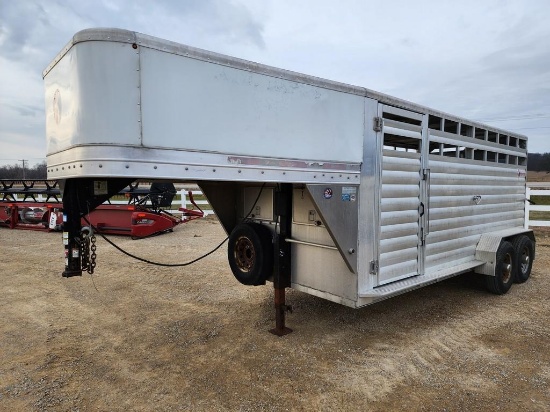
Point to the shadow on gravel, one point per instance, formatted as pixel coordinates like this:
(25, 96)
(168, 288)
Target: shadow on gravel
(427, 307)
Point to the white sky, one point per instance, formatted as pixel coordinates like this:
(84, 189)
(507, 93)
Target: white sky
(486, 60)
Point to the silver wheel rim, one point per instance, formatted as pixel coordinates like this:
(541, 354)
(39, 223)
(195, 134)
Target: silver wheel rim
(524, 260)
(507, 268)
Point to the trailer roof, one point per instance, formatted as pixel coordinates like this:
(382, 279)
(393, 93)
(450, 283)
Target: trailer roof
(127, 36)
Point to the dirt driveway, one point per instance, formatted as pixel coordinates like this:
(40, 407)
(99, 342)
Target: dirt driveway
(151, 338)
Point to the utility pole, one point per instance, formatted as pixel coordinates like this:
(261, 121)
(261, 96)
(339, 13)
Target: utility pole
(23, 160)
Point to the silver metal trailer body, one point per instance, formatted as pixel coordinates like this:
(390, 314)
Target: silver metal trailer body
(386, 195)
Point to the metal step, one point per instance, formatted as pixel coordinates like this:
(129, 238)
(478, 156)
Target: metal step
(415, 282)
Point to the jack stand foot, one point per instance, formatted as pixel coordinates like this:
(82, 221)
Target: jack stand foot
(71, 273)
(280, 310)
(283, 332)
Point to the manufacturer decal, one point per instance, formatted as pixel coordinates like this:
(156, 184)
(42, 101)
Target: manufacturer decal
(327, 194)
(349, 194)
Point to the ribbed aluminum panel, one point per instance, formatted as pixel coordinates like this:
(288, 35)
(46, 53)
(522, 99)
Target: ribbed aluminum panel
(467, 199)
(393, 231)
(399, 214)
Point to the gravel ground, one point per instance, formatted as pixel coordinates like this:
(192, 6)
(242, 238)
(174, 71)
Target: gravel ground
(139, 337)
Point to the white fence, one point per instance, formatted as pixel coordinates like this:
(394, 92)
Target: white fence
(185, 202)
(536, 208)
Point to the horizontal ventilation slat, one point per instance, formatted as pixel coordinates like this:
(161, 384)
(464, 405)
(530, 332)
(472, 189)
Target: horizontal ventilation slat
(472, 210)
(403, 113)
(477, 230)
(399, 243)
(396, 156)
(442, 137)
(410, 191)
(399, 204)
(460, 179)
(446, 190)
(398, 271)
(444, 261)
(395, 218)
(399, 230)
(401, 125)
(400, 177)
(464, 221)
(451, 244)
(401, 132)
(452, 160)
(467, 200)
(393, 258)
(448, 165)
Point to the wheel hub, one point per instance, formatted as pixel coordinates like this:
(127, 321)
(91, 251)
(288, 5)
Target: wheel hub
(245, 255)
(525, 260)
(507, 270)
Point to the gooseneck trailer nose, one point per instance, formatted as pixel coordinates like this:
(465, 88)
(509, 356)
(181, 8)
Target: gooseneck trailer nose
(334, 190)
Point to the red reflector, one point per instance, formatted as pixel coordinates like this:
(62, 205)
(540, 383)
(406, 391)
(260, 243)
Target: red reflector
(141, 215)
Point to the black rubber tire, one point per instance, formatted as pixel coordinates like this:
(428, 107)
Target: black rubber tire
(504, 270)
(525, 254)
(250, 253)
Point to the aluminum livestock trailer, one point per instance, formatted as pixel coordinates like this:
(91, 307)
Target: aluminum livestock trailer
(334, 190)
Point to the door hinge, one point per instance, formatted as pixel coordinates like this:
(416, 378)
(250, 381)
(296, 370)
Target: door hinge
(374, 267)
(378, 123)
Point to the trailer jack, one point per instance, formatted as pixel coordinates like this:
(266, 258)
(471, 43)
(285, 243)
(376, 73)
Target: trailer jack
(281, 279)
(80, 197)
(280, 312)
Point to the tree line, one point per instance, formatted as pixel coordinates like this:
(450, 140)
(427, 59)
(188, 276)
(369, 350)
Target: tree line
(538, 162)
(16, 171)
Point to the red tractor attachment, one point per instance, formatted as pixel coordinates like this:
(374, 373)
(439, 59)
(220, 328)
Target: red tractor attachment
(144, 214)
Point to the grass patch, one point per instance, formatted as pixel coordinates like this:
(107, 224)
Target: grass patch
(539, 215)
(540, 201)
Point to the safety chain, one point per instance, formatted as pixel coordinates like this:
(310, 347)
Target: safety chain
(93, 256)
(85, 253)
(87, 244)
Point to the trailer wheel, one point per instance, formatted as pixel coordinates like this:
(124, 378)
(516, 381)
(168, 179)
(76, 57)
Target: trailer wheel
(250, 253)
(525, 254)
(504, 270)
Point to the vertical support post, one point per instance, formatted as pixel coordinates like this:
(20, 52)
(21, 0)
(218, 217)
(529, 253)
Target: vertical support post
(527, 206)
(281, 280)
(71, 229)
(183, 198)
(14, 217)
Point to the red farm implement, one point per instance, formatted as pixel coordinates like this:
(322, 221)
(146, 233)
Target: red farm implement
(36, 205)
